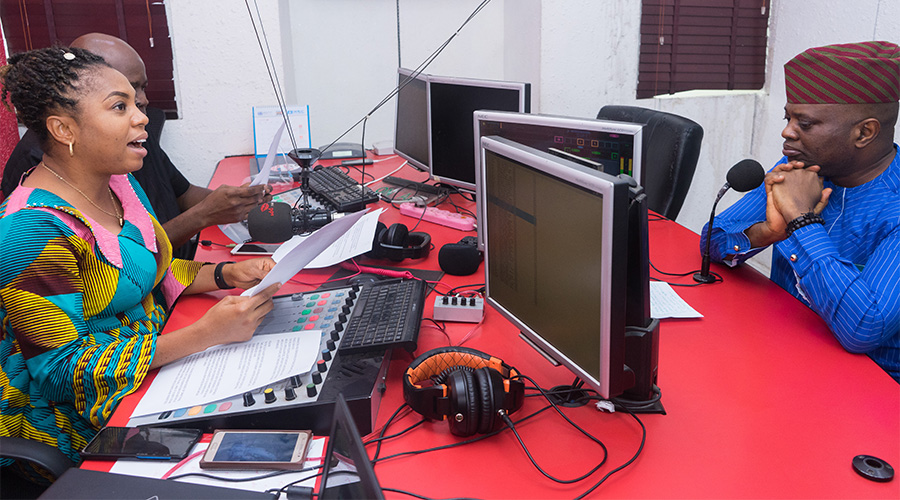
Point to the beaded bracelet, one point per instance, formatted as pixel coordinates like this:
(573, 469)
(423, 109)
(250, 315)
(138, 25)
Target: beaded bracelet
(803, 220)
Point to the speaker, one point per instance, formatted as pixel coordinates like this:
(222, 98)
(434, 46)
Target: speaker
(464, 386)
(397, 243)
(460, 259)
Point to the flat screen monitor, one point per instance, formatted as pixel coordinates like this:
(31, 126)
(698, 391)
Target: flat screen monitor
(411, 140)
(613, 146)
(347, 471)
(555, 257)
(452, 101)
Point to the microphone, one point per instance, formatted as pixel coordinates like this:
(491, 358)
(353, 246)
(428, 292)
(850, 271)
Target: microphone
(275, 222)
(744, 176)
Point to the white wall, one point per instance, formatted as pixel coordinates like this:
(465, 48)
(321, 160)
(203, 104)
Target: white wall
(340, 57)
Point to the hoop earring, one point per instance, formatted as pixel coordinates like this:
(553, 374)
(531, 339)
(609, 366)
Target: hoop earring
(71, 149)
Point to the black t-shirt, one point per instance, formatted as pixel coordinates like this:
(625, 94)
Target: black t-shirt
(159, 178)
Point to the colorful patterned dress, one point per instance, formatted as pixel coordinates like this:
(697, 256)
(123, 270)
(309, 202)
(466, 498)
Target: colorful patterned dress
(80, 309)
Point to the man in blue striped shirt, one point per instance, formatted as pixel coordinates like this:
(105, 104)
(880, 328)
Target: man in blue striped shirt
(831, 205)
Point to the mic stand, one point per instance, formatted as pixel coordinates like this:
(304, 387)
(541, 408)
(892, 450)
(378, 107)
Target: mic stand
(308, 218)
(704, 276)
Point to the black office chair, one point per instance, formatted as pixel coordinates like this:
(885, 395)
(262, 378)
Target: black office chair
(670, 151)
(49, 458)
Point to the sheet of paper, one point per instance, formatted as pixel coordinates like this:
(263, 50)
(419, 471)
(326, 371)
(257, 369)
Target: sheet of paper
(665, 303)
(157, 469)
(236, 232)
(263, 176)
(304, 252)
(356, 241)
(226, 370)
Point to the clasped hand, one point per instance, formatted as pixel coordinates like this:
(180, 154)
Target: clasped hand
(792, 189)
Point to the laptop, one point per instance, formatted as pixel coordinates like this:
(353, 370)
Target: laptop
(347, 473)
(78, 483)
(347, 470)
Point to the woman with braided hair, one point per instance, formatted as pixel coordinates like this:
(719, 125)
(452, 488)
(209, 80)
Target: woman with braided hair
(86, 273)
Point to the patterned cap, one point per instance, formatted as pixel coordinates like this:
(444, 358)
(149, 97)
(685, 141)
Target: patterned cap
(851, 73)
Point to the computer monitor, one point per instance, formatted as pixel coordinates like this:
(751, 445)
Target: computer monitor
(411, 140)
(347, 471)
(452, 101)
(558, 264)
(616, 146)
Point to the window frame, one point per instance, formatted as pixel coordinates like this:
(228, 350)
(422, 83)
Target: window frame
(30, 24)
(702, 45)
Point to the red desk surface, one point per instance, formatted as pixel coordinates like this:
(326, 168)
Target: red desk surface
(761, 400)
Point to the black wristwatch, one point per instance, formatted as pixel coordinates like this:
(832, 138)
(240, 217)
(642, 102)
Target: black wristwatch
(220, 280)
(804, 220)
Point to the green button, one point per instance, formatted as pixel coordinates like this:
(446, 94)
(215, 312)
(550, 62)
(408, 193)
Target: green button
(306, 312)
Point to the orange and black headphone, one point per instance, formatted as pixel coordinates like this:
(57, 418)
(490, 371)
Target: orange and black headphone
(465, 386)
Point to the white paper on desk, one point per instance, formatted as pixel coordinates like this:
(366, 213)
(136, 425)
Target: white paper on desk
(157, 469)
(304, 252)
(665, 303)
(356, 241)
(225, 370)
(236, 232)
(263, 176)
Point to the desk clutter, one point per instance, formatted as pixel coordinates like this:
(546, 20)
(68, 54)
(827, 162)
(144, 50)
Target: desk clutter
(359, 324)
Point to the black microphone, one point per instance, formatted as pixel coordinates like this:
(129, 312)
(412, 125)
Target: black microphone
(275, 222)
(744, 176)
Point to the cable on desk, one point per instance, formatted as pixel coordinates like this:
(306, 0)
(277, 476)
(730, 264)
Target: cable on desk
(466, 196)
(635, 405)
(209, 243)
(240, 479)
(717, 277)
(626, 464)
(439, 327)
(388, 175)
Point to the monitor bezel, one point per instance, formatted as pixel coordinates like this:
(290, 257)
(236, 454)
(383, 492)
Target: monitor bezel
(415, 162)
(366, 471)
(524, 92)
(544, 120)
(609, 381)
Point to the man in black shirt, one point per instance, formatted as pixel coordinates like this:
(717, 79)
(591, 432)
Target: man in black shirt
(181, 207)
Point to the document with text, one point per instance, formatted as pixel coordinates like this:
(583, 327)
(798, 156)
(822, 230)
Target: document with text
(227, 370)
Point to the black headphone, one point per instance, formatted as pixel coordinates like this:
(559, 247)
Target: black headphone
(397, 243)
(465, 386)
(460, 259)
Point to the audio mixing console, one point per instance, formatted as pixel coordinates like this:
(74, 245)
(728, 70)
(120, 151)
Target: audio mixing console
(305, 400)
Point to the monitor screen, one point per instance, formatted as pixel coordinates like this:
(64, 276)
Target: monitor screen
(347, 471)
(556, 256)
(616, 146)
(411, 140)
(451, 104)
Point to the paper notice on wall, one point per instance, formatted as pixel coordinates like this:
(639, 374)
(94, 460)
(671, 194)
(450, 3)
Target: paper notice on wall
(267, 120)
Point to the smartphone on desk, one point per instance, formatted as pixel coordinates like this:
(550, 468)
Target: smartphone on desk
(256, 449)
(158, 443)
(255, 248)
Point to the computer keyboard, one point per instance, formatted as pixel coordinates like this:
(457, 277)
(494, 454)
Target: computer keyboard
(386, 316)
(334, 187)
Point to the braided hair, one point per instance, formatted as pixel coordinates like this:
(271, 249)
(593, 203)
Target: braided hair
(44, 81)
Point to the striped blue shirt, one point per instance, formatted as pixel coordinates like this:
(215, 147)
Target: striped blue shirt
(847, 270)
